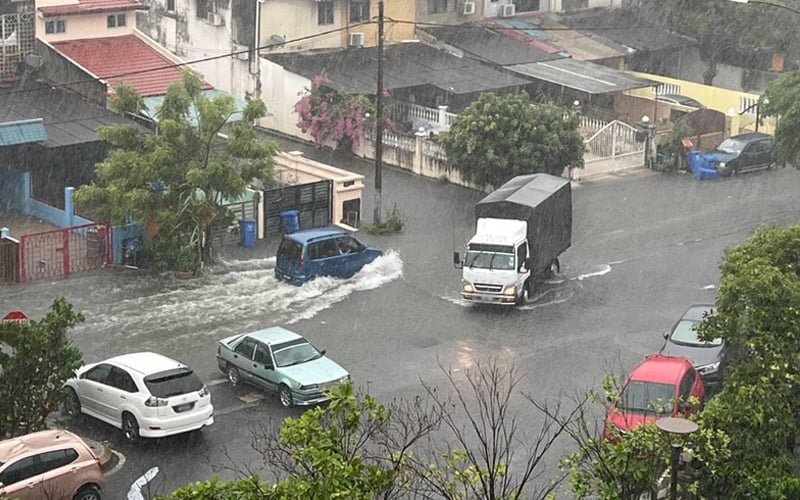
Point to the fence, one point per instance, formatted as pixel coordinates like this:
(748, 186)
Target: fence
(61, 252)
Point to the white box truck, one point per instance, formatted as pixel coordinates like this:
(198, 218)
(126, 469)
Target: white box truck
(521, 229)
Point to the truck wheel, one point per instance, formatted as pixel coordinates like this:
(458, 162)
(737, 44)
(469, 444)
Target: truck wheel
(527, 290)
(554, 268)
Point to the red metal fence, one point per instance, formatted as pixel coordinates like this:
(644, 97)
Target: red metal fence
(61, 252)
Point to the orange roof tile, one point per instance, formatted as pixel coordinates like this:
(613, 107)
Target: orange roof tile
(124, 58)
(92, 6)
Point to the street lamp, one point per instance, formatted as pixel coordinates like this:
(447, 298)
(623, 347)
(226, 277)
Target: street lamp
(680, 427)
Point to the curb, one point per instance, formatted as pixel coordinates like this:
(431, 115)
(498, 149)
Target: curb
(103, 452)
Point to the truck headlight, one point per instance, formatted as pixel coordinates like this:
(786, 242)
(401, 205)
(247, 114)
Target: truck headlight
(512, 290)
(468, 288)
(708, 369)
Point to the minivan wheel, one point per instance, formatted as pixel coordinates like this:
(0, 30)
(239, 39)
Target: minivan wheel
(130, 428)
(87, 493)
(72, 406)
(233, 375)
(285, 395)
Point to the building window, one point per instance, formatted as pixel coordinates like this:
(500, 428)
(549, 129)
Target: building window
(526, 5)
(359, 11)
(115, 21)
(325, 12)
(171, 5)
(441, 6)
(51, 27)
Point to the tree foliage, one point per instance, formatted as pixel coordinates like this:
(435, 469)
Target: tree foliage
(758, 314)
(455, 445)
(36, 359)
(330, 115)
(499, 137)
(177, 178)
(781, 100)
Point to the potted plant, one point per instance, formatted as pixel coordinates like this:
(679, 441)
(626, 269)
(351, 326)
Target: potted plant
(186, 262)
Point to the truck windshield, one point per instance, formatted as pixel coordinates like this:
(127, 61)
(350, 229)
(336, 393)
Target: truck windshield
(490, 257)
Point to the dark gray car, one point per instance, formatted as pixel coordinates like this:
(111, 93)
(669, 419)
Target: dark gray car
(709, 358)
(743, 153)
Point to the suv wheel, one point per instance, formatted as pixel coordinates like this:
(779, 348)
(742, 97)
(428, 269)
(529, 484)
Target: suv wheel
(72, 406)
(130, 427)
(87, 493)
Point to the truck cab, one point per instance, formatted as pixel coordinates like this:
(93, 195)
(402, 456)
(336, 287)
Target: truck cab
(496, 266)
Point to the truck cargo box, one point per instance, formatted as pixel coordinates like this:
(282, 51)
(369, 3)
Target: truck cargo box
(543, 201)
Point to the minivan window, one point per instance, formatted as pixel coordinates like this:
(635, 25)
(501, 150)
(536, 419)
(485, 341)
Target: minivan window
(173, 382)
(290, 249)
(322, 249)
(348, 244)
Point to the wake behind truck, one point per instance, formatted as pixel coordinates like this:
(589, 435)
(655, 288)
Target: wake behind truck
(522, 227)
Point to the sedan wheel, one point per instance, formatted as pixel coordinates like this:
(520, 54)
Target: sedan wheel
(285, 396)
(72, 406)
(233, 375)
(130, 428)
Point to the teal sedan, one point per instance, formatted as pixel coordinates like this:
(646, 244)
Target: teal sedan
(281, 362)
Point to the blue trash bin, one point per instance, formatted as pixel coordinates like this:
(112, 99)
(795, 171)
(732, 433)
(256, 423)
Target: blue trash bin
(291, 222)
(248, 232)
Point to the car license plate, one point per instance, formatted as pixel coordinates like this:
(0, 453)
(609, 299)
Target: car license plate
(183, 407)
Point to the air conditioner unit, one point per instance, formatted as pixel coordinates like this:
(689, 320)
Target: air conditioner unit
(215, 18)
(355, 40)
(507, 10)
(469, 8)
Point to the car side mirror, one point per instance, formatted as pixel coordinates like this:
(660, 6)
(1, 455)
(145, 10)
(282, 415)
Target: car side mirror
(322, 352)
(456, 260)
(666, 335)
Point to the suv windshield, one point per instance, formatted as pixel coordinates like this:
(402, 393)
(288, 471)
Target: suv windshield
(173, 383)
(731, 145)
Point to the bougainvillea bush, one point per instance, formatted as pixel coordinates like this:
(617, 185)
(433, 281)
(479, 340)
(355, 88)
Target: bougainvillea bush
(329, 115)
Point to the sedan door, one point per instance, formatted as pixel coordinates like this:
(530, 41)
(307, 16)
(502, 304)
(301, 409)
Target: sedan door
(264, 368)
(242, 358)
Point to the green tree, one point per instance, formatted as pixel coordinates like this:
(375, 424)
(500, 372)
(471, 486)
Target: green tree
(758, 314)
(499, 137)
(781, 100)
(36, 360)
(175, 180)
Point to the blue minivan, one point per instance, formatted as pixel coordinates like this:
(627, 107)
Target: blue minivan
(328, 251)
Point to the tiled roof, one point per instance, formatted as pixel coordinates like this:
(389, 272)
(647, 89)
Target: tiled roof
(92, 7)
(124, 58)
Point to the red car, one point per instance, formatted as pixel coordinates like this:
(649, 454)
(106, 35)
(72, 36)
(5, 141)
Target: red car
(660, 386)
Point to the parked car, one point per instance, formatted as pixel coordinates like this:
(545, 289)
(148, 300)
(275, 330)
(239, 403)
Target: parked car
(306, 254)
(709, 358)
(680, 99)
(145, 394)
(743, 153)
(660, 386)
(52, 464)
(282, 362)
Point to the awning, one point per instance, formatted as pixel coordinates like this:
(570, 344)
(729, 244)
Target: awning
(22, 132)
(152, 104)
(583, 76)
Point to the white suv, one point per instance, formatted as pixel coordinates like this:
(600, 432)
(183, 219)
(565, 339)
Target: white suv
(144, 394)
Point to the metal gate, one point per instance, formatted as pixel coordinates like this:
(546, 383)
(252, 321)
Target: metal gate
(61, 252)
(313, 201)
(223, 234)
(9, 263)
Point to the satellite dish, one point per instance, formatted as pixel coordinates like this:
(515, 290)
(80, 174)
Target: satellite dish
(276, 40)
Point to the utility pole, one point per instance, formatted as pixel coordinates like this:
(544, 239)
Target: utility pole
(379, 120)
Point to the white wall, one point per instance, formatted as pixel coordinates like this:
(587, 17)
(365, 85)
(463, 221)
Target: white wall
(279, 92)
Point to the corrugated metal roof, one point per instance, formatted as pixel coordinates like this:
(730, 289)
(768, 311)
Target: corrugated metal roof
(582, 76)
(124, 58)
(354, 70)
(92, 7)
(491, 45)
(22, 132)
(67, 118)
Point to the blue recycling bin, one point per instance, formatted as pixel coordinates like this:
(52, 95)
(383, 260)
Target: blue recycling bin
(291, 222)
(248, 232)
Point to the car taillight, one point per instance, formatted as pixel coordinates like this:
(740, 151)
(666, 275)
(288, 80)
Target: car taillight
(154, 401)
(302, 261)
(98, 462)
